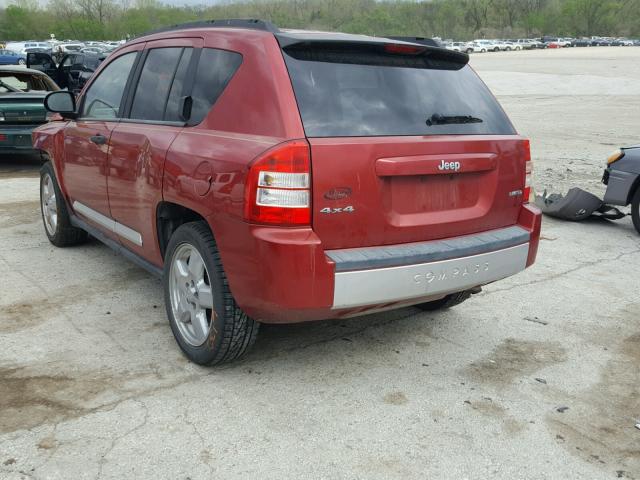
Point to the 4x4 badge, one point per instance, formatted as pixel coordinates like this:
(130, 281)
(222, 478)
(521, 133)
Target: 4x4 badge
(348, 209)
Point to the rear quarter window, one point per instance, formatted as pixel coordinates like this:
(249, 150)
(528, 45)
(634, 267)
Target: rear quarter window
(351, 93)
(215, 70)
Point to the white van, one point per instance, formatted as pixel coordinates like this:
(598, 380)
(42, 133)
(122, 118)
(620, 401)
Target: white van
(20, 47)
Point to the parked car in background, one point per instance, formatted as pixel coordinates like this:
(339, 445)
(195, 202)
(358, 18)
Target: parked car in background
(72, 72)
(20, 47)
(459, 47)
(581, 42)
(538, 44)
(272, 176)
(70, 47)
(503, 46)
(22, 93)
(487, 45)
(478, 48)
(511, 45)
(9, 57)
(94, 50)
(622, 178)
(555, 42)
(600, 42)
(526, 44)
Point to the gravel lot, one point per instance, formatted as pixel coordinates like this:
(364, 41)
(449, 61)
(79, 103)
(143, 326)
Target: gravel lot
(537, 377)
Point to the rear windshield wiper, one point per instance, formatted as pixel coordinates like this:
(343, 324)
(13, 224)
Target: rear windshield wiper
(437, 119)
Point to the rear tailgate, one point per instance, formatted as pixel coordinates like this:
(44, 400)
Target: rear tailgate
(407, 143)
(377, 191)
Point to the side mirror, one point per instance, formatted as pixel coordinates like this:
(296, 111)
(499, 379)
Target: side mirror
(61, 102)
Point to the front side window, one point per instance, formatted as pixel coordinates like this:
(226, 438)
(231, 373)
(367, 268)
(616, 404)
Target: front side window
(104, 96)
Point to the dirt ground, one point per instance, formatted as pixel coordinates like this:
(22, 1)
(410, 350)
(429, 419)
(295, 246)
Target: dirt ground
(538, 377)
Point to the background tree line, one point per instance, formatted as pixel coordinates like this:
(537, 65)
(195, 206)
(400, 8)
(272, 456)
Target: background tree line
(458, 19)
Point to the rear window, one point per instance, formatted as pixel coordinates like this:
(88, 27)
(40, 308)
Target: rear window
(351, 92)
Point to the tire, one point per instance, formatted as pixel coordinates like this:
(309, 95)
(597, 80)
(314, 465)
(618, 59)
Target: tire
(446, 302)
(213, 329)
(21, 61)
(635, 209)
(484, 50)
(55, 215)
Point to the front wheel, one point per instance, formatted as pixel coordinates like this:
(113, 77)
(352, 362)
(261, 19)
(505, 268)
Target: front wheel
(635, 209)
(21, 61)
(55, 216)
(206, 322)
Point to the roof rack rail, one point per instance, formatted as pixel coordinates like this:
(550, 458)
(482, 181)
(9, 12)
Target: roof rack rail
(252, 23)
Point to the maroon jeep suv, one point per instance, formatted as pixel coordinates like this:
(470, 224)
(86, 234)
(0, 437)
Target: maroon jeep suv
(275, 175)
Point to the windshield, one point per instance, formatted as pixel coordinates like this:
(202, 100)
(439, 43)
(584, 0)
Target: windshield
(348, 99)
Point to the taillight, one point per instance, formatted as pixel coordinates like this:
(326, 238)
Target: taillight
(528, 169)
(278, 188)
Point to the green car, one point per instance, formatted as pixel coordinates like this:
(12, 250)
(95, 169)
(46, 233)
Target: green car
(22, 93)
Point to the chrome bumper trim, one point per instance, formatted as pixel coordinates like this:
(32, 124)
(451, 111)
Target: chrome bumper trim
(397, 284)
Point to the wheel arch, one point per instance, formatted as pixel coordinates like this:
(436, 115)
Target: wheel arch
(170, 216)
(633, 189)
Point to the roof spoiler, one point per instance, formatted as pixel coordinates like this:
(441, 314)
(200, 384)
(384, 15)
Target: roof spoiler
(372, 51)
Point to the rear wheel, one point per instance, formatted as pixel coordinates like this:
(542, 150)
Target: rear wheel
(21, 61)
(635, 209)
(446, 302)
(55, 216)
(206, 322)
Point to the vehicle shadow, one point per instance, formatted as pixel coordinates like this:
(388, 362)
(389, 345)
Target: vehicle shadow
(19, 165)
(278, 340)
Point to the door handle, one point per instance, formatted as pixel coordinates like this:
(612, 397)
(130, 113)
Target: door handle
(99, 139)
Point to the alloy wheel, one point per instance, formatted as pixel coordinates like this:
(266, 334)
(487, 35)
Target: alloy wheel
(191, 295)
(49, 205)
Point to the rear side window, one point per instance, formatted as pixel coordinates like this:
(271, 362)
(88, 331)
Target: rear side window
(173, 109)
(155, 83)
(215, 69)
(361, 91)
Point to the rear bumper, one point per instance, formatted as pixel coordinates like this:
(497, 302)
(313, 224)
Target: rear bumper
(285, 276)
(445, 267)
(16, 138)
